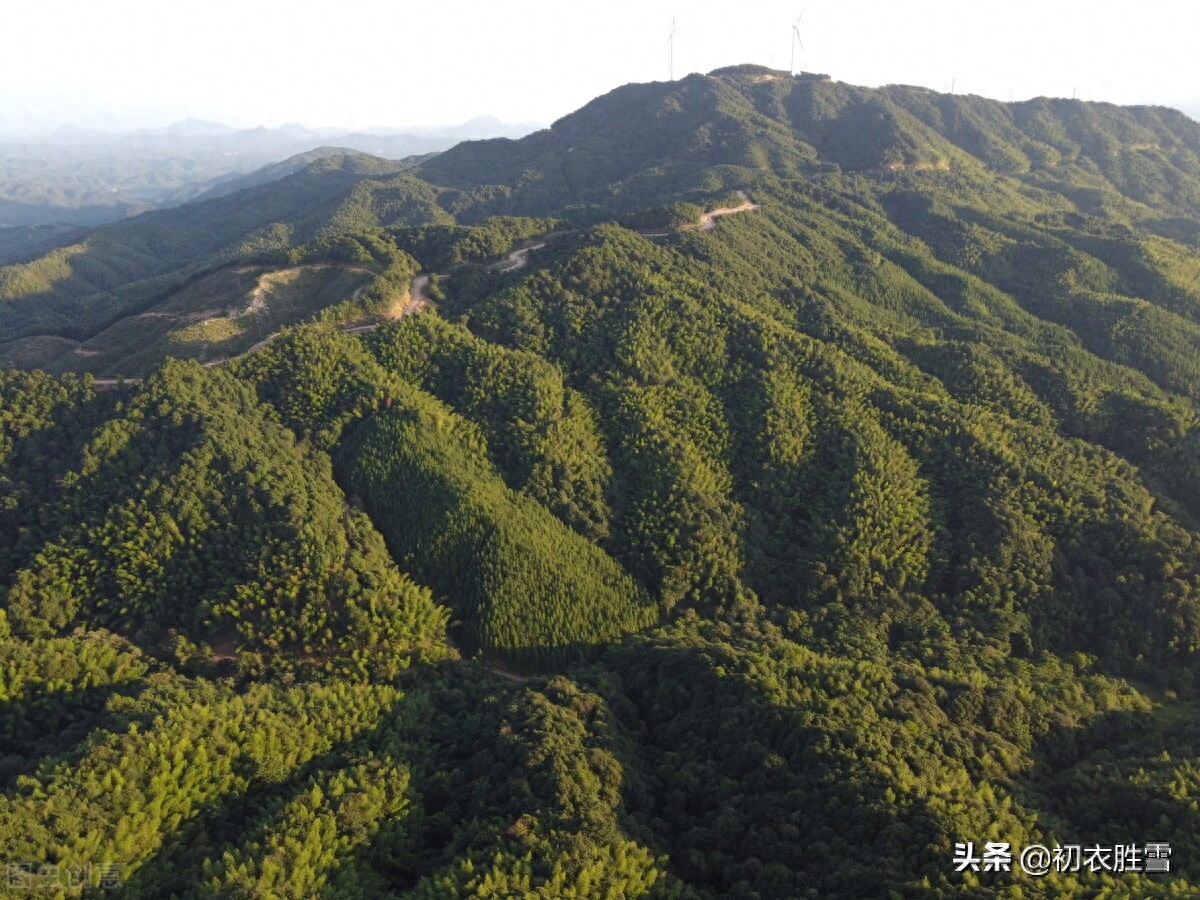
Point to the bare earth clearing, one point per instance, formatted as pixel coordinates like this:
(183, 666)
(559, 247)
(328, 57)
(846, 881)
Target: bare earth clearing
(268, 280)
(414, 301)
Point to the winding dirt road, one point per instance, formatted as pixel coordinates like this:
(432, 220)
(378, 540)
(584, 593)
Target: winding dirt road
(518, 259)
(708, 221)
(415, 301)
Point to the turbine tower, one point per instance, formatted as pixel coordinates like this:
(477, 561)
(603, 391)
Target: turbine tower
(796, 40)
(671, 49)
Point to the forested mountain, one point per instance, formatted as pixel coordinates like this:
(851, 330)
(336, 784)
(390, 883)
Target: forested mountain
(812, 491)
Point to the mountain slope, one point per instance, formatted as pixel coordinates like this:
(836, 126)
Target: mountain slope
(118, 266)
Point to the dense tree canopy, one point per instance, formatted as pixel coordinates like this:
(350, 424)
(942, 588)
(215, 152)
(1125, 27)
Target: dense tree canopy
(768, 559)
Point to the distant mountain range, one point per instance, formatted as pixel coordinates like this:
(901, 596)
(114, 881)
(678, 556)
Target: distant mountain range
(73, 177)
(191, 134)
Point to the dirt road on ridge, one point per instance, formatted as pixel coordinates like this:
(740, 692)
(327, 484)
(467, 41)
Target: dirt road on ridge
(708, 221)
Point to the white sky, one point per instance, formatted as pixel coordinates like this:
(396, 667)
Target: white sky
(130, 63)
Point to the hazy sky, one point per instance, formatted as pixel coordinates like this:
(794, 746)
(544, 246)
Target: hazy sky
(129, 63)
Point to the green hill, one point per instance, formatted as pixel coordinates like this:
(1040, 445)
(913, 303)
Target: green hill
(192, 516)
(126, 267)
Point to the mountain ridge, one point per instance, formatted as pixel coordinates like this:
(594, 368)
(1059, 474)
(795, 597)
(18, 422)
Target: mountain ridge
(694, 141)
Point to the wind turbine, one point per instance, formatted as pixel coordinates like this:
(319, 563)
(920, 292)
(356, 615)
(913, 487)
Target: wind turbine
(671, 51)
(796, 40)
